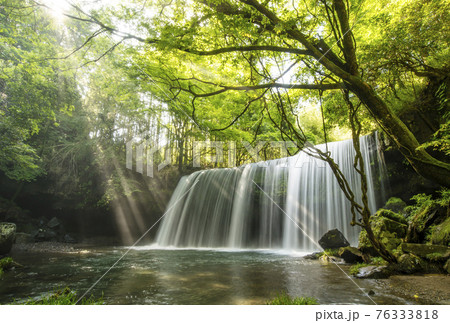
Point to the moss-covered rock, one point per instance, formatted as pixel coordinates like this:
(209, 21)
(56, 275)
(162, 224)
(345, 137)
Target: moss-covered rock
(441, 233)
(426, 251)
(395, 204)
(409, 264)
(389, 227)
(391, 215)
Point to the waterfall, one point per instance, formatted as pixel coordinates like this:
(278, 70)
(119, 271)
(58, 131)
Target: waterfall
(287, 203)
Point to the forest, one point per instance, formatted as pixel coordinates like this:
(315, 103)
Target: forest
(106, 107)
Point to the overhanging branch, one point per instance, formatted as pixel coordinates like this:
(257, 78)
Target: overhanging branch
(248, 49)
(323, 87)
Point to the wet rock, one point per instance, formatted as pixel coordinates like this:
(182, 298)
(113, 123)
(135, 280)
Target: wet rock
(333, 239)
(313, 256)
(7, 235)
(374, 272)
(423, 250)
(53, 223)
(351, 255)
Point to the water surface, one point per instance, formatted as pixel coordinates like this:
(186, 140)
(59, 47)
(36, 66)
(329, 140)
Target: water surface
(183, 276)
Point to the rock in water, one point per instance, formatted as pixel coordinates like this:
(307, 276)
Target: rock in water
(376, 272)
(7, 235)
(333, 239)
(351, 255)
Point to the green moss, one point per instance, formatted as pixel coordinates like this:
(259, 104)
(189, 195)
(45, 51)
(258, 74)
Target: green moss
(63, 297)
(329, 252)
(392, 216)
(389, 231)
(6, 263)
(355, 268)
(378, 261)
(444, 200)
(423, 203)
(395, 204)
(436, 257)
(285, 299)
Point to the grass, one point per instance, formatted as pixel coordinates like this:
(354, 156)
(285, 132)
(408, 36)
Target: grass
(63, 297)
(285, 299)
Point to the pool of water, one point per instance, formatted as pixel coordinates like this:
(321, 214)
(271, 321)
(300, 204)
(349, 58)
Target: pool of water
(183, 276)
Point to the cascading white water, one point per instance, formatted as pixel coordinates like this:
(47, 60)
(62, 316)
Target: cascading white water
(286, 203)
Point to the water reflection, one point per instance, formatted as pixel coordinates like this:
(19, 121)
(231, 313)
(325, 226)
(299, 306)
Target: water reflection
(186, 277)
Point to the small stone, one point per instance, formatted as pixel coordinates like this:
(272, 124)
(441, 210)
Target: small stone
(371, 293)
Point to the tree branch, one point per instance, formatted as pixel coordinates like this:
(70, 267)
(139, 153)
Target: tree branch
(323, 87)
(248, 49)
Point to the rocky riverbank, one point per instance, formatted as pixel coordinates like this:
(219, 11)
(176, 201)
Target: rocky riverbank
(422, 289)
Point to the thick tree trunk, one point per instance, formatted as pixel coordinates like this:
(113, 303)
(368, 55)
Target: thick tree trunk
(422, 162)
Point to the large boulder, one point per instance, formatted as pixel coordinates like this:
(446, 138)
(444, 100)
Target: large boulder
(7, 235)
(351, 255)
(333, 239)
